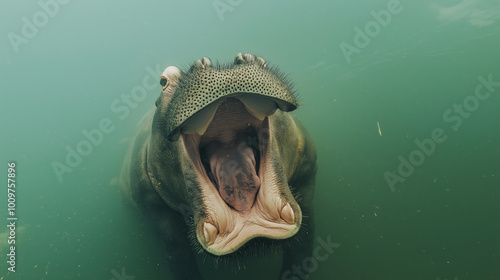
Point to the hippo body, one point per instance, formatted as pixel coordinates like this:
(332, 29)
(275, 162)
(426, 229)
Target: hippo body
(223, 169)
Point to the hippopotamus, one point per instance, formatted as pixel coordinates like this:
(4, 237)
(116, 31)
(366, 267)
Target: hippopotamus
(222, 167)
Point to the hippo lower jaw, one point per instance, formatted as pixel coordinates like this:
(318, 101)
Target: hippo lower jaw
(271, 211)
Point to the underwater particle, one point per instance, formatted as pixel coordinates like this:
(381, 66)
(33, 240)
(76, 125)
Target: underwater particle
(379, 131)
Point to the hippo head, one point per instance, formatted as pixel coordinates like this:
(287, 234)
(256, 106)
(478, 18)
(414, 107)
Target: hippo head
(225, 127)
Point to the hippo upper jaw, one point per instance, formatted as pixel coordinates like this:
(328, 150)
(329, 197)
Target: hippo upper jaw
(231, 218)
(191, 97)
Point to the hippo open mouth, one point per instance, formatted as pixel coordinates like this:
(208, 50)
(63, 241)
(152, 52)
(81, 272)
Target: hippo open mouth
(230, 154)
(240, 192)
(222, 117)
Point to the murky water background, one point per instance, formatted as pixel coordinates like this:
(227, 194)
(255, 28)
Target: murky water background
(423, 72)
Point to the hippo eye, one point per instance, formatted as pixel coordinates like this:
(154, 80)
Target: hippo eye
(163, 82)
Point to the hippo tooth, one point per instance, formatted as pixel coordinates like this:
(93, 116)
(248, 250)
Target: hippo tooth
(260, 107)
(210, 232)
(200, 122)
(287, 214)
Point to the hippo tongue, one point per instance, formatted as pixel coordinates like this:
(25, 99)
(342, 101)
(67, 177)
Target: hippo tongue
(234, 171)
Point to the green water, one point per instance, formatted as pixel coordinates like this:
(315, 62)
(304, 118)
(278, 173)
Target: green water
(437, 217)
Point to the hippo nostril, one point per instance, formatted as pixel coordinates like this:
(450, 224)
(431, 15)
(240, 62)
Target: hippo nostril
(287, 214)
(206, 62)
(209, 232)
(203, 63)
(239, 59)
(249, 59)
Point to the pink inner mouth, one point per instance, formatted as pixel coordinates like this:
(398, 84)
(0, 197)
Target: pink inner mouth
(233, 170)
